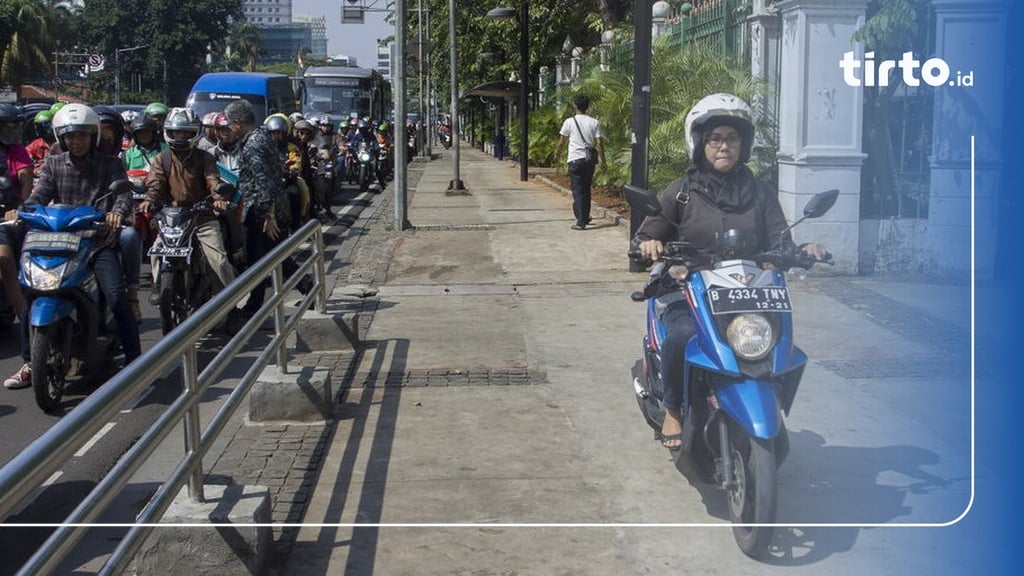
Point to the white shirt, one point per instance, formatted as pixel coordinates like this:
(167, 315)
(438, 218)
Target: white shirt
(591, 130)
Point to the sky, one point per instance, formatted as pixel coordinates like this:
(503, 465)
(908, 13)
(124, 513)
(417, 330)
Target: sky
(359, 40)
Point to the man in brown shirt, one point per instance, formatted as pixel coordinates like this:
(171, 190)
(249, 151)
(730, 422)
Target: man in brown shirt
(185, 175)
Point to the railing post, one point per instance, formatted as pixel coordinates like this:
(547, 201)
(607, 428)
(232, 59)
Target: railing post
(279, 323)
(193, 436)
(321, 272)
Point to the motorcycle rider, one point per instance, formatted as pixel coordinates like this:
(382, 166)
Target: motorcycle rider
(157, 111)
(185, 175)
(111, 130)
(19, 163)
(40, 147)
(145, 146)
(227, 150)
(291, 155)
(209, 139)
(364, 134)
(79, 176)
(717, 193)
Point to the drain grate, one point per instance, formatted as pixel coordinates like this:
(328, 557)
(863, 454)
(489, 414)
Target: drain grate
(445, 378)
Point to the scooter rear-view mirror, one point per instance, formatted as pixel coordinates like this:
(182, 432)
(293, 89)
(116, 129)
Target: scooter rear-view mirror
(642, 201)
(820, 203)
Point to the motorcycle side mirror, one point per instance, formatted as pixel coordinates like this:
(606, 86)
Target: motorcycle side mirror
(816, 207)
(5, 183)
(820, 203)
(642, 201)
(116, 187)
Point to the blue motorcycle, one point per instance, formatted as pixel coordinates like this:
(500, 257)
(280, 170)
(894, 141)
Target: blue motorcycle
(66, 307)
(742, 369)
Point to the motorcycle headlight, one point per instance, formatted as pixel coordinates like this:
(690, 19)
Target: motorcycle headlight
(364, 156)
(750, 336)
(41, 278)
(172, 235)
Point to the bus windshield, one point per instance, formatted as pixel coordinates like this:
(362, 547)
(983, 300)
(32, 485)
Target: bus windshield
(340, 100)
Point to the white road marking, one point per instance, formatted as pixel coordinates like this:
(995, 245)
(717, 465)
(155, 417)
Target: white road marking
(92, 441)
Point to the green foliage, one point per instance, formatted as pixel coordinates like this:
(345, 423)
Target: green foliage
(893, 27)
(679, 79)
(25, 38)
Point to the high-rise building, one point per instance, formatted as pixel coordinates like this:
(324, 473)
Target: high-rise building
(285, 34)
(268, 12)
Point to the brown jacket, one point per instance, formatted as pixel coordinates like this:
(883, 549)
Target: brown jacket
(188, 178)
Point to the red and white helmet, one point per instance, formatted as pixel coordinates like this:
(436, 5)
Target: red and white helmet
(718, 110)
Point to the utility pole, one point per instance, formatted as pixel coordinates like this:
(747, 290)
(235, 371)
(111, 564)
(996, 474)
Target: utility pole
(641, 122)
(401, 152)
(456, 183)
(117, 69)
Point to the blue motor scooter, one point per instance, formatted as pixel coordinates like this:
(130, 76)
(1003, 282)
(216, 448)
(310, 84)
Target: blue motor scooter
(741, 371)
(66, 308)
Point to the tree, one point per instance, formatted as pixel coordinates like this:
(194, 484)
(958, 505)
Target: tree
(248, 43)
(25, 25)
(892, 27)
(178, 36)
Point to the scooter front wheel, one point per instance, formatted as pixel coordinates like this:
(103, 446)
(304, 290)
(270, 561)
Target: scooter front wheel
(752, 495)
(47, 370)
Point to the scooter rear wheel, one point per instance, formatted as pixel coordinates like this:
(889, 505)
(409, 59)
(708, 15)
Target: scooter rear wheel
(47, 381)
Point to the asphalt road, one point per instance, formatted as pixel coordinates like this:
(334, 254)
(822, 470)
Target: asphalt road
(21, 420)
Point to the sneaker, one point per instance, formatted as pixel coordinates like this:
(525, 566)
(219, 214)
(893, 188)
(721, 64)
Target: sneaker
(579, 226)
(20, 379)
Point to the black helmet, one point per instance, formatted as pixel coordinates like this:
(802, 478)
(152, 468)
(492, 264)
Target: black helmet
(111, 117)
(143, 122)
(10, 124)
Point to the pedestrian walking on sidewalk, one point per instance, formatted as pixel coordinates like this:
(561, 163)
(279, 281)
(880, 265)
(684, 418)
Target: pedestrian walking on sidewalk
(585, 148)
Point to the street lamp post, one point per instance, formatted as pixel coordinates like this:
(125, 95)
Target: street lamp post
(117, 69)
(524, 75)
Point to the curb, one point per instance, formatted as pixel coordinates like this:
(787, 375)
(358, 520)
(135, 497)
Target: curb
(596, 211)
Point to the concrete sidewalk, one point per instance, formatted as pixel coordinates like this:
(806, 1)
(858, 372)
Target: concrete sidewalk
(493, 389)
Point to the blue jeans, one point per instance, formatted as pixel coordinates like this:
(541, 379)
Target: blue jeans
(110, 277)
(581, 178)
(679, 329)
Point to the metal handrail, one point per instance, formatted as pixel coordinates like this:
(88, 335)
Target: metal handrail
(28, 470)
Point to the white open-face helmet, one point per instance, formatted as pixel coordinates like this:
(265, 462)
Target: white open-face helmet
(718, 110)
(76, 118)
(185, 120)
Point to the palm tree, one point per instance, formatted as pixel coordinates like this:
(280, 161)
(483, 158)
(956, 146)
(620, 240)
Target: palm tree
(248, 42)
(28, 45)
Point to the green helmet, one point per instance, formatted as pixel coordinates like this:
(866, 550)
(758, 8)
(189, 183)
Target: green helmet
(56, 106)
(156, 109)
(43, 116)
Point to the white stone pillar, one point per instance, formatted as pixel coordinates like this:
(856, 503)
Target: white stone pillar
(820, 122)
(765, 31)
(969, 37)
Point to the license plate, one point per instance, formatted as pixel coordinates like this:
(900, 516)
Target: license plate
(52, 241)
(759, 299)
(179, 252)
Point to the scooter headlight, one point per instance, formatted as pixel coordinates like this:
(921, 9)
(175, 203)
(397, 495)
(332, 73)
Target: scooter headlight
(40, 278)
(750, 336)
(364, 156)
(172, 235)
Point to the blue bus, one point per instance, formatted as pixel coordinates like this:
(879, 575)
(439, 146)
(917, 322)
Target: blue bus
(343, 91)
(268, 93)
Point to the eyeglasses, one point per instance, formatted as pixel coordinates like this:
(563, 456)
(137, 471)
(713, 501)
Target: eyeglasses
(716, 140)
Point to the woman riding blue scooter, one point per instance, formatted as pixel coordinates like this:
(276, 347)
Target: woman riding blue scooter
(718, 193)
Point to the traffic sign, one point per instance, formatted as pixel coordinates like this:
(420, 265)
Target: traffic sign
(96, 62)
